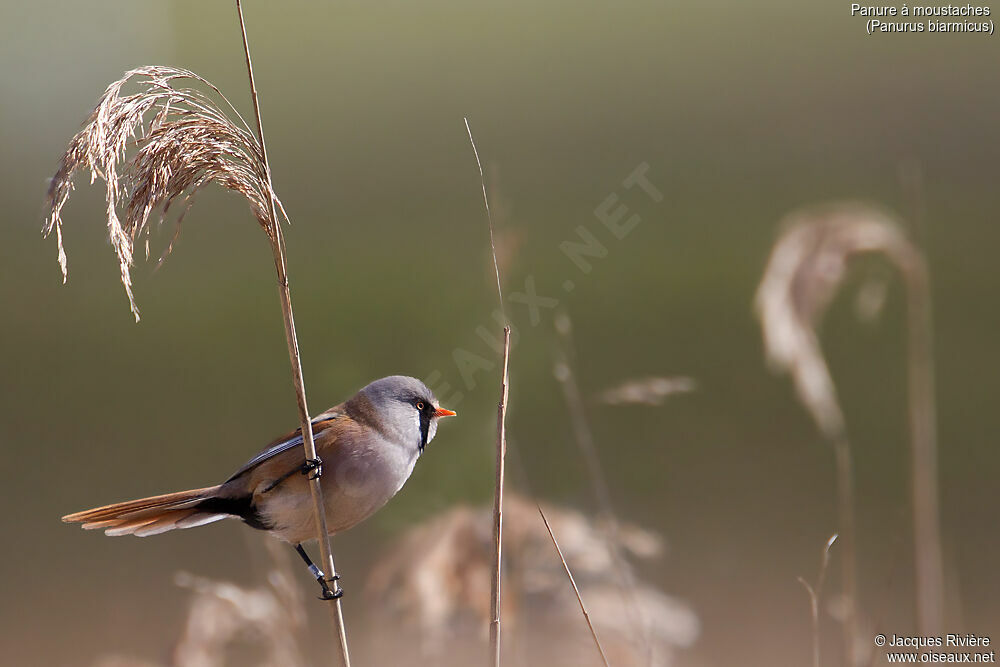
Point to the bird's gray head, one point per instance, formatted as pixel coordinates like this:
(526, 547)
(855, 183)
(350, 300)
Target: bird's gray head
(400, 407)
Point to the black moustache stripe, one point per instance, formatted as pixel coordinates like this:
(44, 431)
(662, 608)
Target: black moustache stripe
(425, 425)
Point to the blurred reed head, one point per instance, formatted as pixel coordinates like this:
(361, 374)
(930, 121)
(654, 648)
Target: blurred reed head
(230, 624)
(432, 588)
(155, 149)
(807, 266)
(647, 391)
(223, 618)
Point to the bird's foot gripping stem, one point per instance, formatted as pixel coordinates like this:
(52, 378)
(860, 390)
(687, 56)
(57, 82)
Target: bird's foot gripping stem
(328, 593)
(313, 468)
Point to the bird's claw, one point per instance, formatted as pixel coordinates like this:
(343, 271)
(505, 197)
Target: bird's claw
(313, 468)
(328, 593)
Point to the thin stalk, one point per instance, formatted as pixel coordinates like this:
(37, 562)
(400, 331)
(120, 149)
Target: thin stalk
(922, 417)
(845, 507)
(501, 447)
(923, 427)
(816, 594)
(498, 507)
(576, 590)
(814, 617)
(489, 216)
(585, 442)
(585, 439)
(280, 265)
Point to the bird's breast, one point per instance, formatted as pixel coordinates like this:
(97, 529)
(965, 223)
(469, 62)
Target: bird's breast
(356, 482)
(363, 482)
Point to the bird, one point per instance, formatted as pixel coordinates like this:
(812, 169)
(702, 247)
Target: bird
(367, 448)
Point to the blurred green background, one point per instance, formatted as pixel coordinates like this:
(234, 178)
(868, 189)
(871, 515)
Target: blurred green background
(742, 112)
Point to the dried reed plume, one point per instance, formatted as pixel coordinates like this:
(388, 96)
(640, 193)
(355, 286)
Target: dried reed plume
(227, 623)
(430, 587)
(806, 267)
(651, 391)
(182, 139)
(501, 446)
(270, 619)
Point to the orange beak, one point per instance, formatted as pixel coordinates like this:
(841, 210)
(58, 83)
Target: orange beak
(442, 412)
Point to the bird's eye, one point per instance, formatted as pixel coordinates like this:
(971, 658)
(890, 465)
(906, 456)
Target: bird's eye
(420, 406)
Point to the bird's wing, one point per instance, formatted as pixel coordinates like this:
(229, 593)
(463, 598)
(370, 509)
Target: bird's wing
(320, 423)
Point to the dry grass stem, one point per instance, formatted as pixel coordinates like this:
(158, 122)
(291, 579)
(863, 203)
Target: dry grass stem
(489, 215)
(501, 453)
(576, 591)
(584, 437)
(501, 443)
(280, 263)
(807, 266)
(816, 594)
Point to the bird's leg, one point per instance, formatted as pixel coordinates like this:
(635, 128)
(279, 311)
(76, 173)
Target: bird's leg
(313, 468)
(328, 593)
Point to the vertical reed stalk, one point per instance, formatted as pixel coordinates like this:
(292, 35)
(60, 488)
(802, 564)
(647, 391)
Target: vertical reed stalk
(498, 507)
(280, 265)
(928, 557)
(848, 560)
(923, 425)
(816, 594)
(588, 448)
(501, 447)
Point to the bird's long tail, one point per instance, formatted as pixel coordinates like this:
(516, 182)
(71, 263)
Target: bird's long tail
(151, 516)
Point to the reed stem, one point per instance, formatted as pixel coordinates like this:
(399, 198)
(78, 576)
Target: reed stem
(848, 562)
(498, 506)
(576, 590)
(280, 265)
(922, 417)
